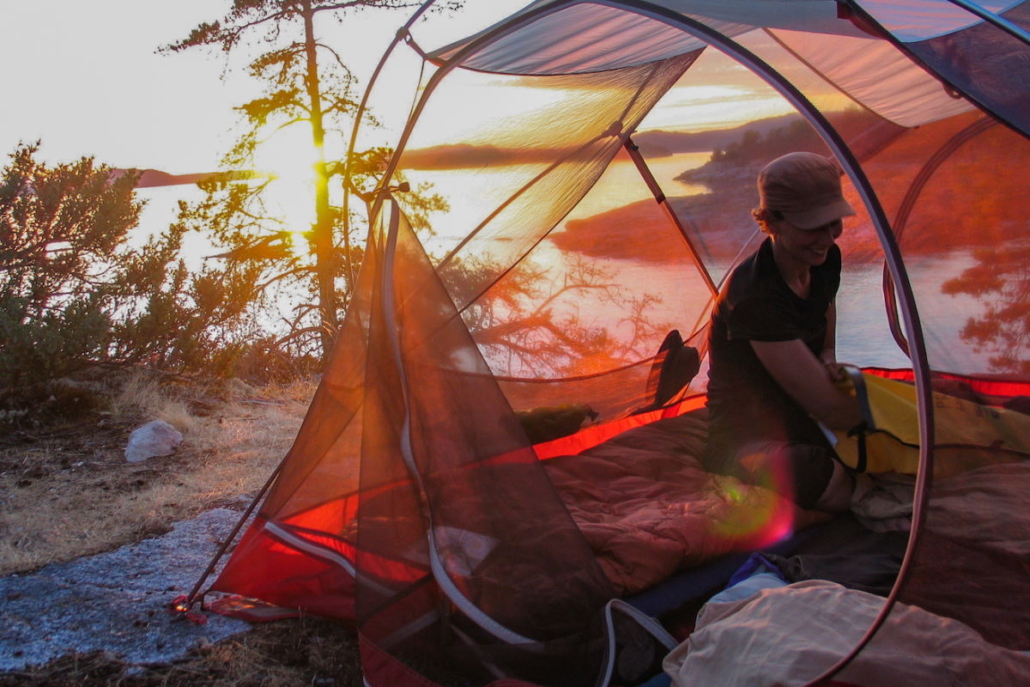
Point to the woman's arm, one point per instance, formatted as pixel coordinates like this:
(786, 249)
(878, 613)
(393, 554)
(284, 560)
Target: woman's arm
(828, 356)
(807, 380)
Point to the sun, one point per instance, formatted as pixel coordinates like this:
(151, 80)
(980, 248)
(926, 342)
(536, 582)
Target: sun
(290, 158)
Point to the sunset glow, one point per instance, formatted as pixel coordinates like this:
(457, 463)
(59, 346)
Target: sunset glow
(290, 157)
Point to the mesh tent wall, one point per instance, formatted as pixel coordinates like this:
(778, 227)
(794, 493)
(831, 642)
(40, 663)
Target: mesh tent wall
(412, 502)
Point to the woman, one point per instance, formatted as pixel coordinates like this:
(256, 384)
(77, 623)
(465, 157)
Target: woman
(771, 343)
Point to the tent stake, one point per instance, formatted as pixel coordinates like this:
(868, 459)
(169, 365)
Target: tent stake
(181, 605)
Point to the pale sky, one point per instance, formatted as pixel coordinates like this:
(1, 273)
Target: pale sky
(85, 78)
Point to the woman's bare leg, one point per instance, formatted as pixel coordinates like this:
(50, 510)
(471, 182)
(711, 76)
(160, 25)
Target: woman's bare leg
(836, 498)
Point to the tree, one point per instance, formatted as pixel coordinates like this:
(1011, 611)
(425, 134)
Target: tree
(60, 229)
(306, 83)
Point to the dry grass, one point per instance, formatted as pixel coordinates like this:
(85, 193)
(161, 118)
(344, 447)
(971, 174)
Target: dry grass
(66, 490)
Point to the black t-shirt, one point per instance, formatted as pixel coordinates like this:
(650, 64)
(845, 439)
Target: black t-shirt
(745, 403)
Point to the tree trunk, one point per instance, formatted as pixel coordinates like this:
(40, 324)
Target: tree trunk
(322, 230)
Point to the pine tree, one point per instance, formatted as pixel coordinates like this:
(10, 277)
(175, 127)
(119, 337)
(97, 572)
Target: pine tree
(306, 83)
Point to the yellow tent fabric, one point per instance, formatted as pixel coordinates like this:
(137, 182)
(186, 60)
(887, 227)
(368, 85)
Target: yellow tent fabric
(892, 433)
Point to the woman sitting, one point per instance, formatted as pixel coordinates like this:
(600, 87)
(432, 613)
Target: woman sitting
(771, 343)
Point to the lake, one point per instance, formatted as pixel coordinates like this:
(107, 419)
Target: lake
(863, 338)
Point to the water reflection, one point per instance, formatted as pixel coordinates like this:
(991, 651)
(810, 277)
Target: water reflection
(614, 277)
(1000, 282)
(545, 316)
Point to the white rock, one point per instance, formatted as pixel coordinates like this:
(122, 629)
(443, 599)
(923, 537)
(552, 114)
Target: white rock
(157, 438)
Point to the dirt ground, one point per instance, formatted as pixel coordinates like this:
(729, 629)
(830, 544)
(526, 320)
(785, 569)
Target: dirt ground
(67, 491)
(288, 653)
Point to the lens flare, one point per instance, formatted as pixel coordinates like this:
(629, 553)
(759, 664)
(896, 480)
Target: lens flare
(760, 513)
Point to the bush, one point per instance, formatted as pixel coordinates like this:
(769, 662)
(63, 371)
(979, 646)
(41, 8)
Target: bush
(60, 231)
(74, 294)
(51, 346)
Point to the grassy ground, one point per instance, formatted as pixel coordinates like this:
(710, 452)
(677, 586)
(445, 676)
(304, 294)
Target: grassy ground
(67, 491)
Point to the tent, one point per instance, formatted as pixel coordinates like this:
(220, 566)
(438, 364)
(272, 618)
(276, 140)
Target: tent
(598, 158)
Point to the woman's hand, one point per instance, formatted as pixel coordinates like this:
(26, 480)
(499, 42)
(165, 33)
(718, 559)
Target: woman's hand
(810, 380)
(834, 369)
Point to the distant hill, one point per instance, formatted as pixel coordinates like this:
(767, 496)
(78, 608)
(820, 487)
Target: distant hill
(464, 156)
(151, 178)
(926, 212)
(661, 143)
(651, 144)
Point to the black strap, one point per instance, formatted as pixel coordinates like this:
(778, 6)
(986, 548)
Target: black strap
(863, 428)
(860, 431)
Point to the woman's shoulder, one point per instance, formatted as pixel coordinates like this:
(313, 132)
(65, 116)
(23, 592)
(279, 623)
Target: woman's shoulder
(751, 275)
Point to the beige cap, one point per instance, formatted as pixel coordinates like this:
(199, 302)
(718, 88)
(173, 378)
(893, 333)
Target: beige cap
(805, 189)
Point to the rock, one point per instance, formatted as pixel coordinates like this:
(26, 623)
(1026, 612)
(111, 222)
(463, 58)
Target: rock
(93, 603)
(157, 438)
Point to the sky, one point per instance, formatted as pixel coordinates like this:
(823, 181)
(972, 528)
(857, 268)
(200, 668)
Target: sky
(85, 78)
(88, 82)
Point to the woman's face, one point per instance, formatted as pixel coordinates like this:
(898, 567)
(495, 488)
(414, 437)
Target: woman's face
(806, 246)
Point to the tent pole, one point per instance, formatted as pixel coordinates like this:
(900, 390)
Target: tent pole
(995, 19)
(892, 253)
(401, 35)
(393, 327)
(445, 68)
(182, 605)
(905, 48)
(908, 203)
(634, 152)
